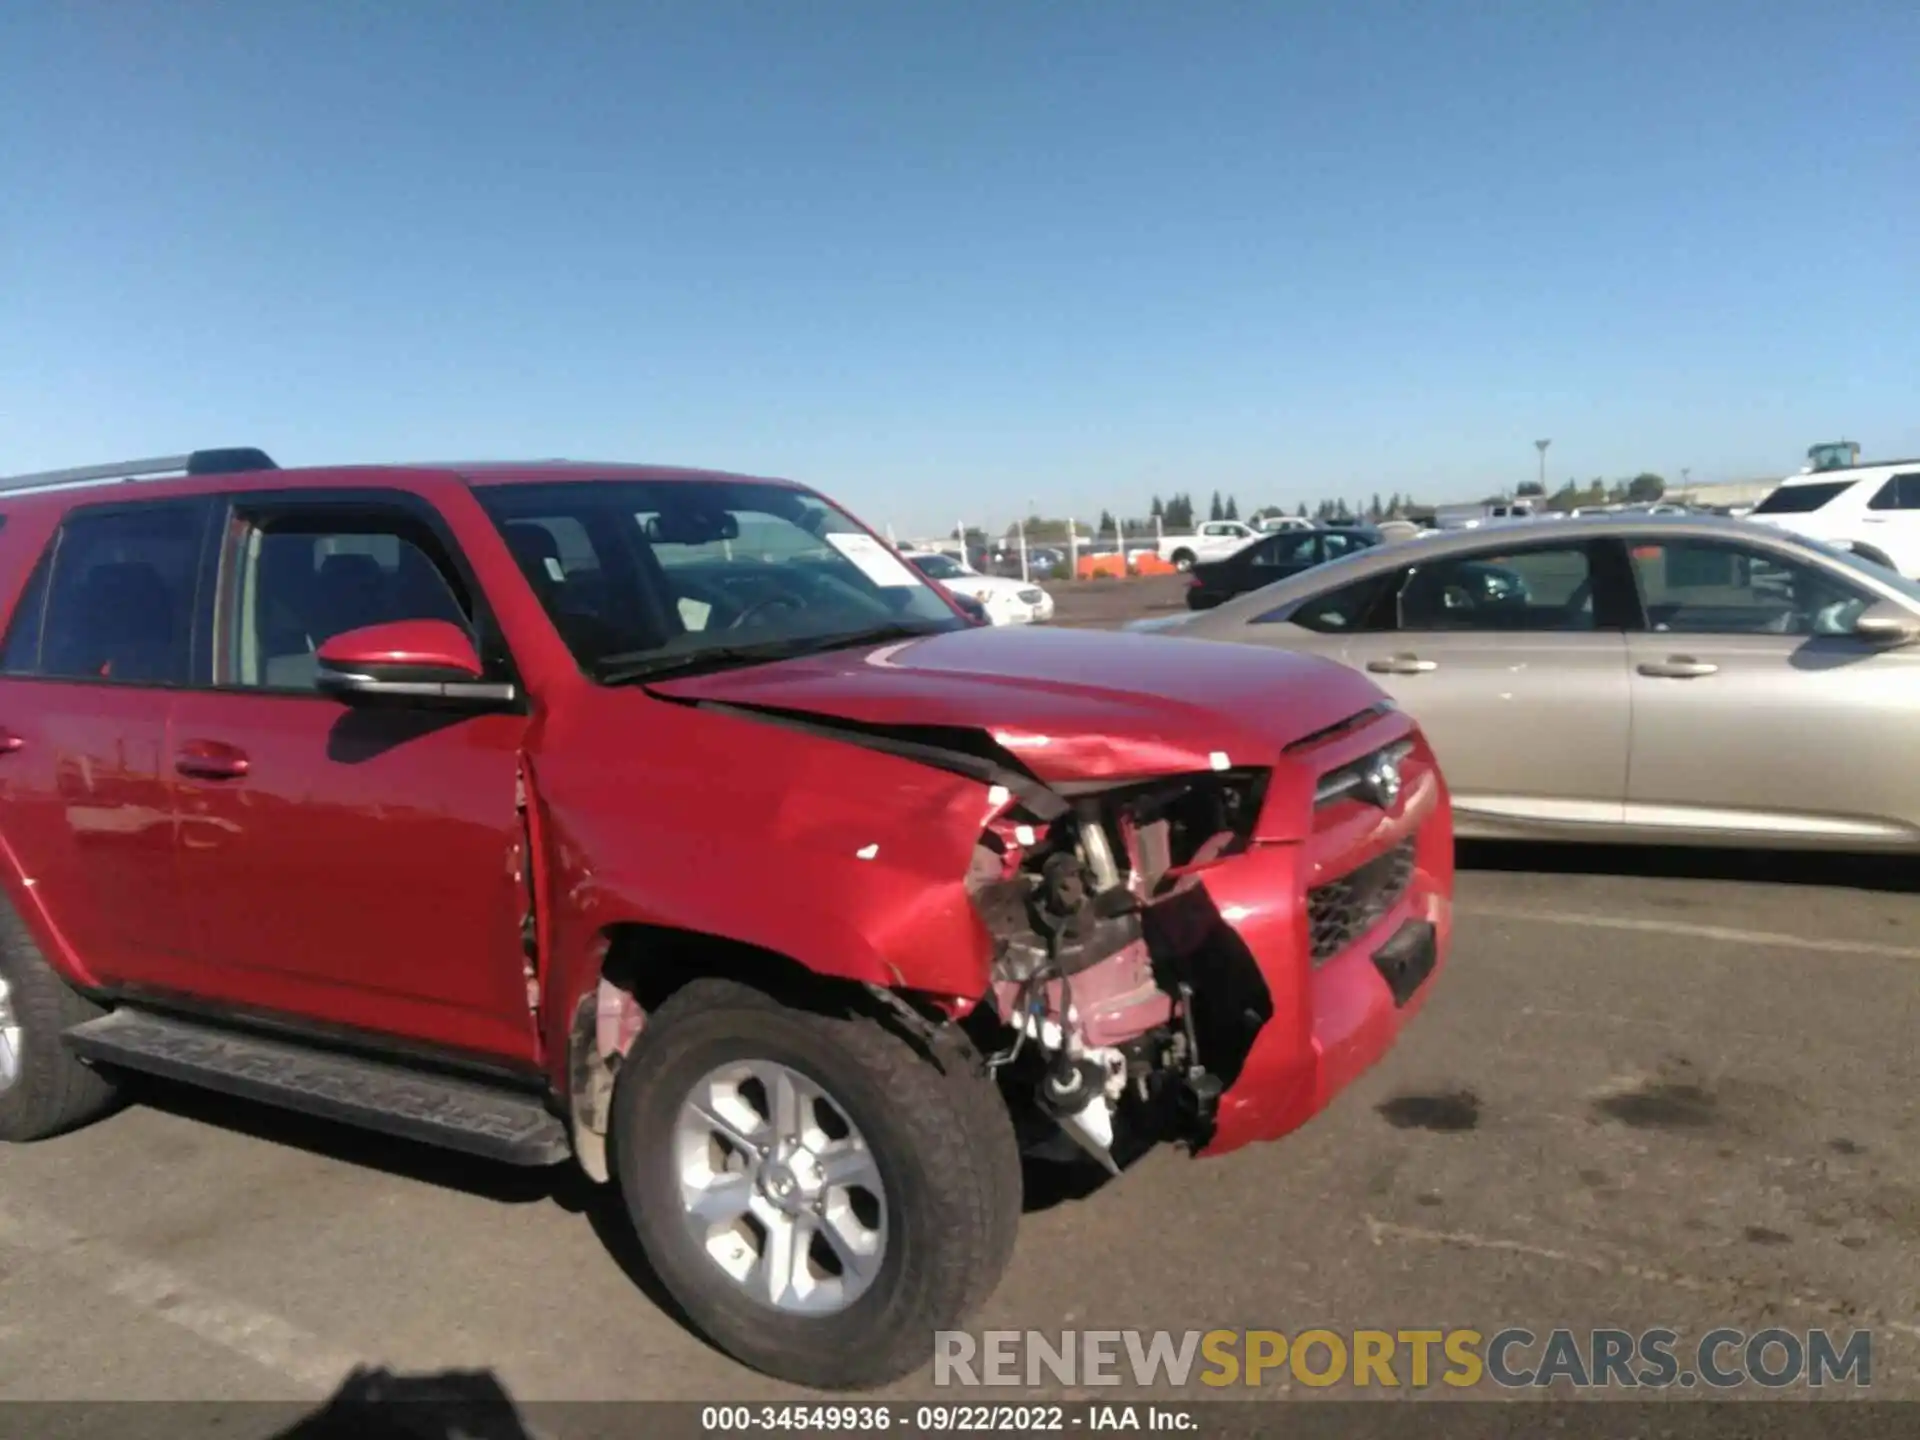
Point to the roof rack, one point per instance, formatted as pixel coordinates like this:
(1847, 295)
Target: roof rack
(233, 461)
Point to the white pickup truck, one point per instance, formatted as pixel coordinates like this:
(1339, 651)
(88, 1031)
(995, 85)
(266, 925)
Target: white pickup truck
(1210, 541)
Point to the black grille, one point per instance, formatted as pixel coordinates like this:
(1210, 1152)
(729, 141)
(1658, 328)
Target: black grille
(1343, 910)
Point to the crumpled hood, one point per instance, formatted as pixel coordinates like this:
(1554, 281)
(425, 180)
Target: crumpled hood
(1072, 705)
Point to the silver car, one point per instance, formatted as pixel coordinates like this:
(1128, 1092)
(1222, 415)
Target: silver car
(1670, 679)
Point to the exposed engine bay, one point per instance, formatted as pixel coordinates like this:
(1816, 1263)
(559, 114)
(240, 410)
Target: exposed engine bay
(1099, 1045)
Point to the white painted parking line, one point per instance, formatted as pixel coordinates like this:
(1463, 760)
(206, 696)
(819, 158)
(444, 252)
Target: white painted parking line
(164, 1294)
(1685, 931)
(1379, 1231)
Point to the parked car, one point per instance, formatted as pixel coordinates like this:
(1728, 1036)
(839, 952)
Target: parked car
(1658, 679)
(1271, 558)
(666, 821)
(1042, 562)
(1007, 602)
(1212, 540)
(1873, 510)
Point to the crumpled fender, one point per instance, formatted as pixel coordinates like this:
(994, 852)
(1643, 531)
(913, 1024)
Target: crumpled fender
(853, 864)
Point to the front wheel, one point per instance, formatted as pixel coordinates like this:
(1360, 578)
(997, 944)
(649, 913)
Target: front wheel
(818, 1195)
(1183, 559)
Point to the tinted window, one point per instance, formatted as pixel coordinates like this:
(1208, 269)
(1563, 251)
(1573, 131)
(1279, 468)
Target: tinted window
(1284, 550)
(119, 604)
(1801, 499)
(1540, 588)
(300, 586)
(1352, 609)
(1902, 492)
(22, 654)
(1704, 588)
(1345, 543)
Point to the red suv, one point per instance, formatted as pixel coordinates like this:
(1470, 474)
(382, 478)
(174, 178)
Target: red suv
(666, 822)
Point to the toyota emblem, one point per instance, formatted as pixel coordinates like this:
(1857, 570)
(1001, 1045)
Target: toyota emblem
(1383, 780)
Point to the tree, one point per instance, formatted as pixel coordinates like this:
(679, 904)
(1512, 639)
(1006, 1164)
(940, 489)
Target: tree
(1106, 522)
(1645, 488)
(1374, 510)
(1179, 515)
(1232, 510)
(1158, 512)
(1529, 489)
(1302, 511)
(1214, 511)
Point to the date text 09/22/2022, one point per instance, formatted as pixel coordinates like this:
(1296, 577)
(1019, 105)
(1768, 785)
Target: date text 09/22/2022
(924, 1419)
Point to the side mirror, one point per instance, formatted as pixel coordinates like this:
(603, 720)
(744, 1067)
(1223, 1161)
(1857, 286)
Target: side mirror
(410, 661)
(1887, 623)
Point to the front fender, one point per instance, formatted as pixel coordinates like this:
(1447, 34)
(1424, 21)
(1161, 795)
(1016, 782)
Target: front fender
(852, 865)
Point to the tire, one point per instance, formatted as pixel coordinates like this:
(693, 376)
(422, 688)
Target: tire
(1183, 559)
(942, 1150)
(50, 1090)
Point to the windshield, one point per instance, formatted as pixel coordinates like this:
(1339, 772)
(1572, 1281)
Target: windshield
(940, 567)
(648, 575)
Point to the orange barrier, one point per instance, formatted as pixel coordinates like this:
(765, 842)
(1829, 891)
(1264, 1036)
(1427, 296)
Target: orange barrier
(1139, 562)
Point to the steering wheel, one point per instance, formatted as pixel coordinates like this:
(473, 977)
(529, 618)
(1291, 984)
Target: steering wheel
(765, 607)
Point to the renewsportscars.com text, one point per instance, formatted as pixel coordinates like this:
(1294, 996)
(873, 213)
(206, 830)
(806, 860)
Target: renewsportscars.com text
(1512, 1358)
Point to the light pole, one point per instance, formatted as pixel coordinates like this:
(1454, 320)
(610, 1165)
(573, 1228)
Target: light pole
(1541, 446)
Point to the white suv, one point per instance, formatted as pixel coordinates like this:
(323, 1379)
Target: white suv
(1873, 510)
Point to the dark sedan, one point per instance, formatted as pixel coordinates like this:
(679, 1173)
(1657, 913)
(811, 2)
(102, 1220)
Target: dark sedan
(1274, 558)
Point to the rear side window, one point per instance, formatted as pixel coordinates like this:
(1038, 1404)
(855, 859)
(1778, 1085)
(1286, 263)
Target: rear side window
(114, 599)
(1901, 492)
(1801, 499)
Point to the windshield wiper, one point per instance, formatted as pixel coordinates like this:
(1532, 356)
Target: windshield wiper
(655, 665)
(875, 635)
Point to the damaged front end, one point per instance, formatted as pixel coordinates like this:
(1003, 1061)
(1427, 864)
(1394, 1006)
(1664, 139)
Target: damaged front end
(1096, 1018)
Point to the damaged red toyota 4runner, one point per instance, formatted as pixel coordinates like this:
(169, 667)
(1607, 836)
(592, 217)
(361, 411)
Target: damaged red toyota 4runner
(667, 822)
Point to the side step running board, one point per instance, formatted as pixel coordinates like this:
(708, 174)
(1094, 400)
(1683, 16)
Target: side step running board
(499, 1124)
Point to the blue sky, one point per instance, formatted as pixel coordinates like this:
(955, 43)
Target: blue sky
(940, 258)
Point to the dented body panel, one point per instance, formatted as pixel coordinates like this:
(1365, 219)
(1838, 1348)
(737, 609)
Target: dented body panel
(1072, 706)
(874, 866)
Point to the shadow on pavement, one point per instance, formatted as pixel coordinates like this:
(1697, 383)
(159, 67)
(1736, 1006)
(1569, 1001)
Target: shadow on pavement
(1893, 874)
(471, 1404)
(564, 1185)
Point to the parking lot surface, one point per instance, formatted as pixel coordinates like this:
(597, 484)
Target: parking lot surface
(1652, 1089)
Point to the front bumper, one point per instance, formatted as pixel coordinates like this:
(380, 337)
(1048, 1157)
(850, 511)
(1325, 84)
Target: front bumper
(1284, 1032)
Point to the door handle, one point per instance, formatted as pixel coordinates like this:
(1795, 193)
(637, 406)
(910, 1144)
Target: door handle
(1402, 665)
(211, 760)
(1678, 667)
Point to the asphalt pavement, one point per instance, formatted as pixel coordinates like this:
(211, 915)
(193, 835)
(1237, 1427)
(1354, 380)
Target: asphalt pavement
(1652, 1089)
